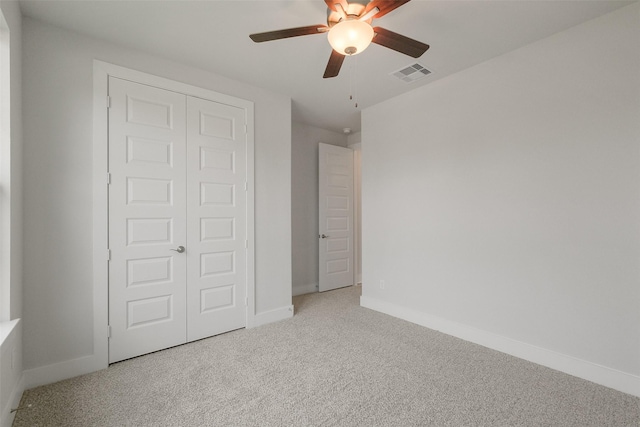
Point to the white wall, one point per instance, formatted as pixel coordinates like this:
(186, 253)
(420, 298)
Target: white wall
(355, 143)
(502, 204)
(304, 202)
(58, 97)
(11, 386)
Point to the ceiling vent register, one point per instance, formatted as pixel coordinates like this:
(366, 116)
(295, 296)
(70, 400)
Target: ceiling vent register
(411, 73)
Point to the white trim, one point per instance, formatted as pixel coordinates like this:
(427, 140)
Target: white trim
(5, 169)
(14, 401)
(55, 372)
(274, 315)
(309, 288)
(6, 328)
(251, 251)
(171, 85)
(101, 72)
(11, 378)
(100, 220)
(608, 377)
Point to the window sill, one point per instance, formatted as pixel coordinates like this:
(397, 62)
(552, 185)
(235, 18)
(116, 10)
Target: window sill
(6, 328)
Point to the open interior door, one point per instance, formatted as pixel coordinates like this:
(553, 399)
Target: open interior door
(335, 217)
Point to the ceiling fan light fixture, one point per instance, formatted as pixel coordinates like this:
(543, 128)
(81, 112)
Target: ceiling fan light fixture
(350, 37)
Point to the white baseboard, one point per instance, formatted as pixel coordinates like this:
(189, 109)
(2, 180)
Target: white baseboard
(272, 316)
(61, 371)
(603, 375)
(309, 288)
(84, 365)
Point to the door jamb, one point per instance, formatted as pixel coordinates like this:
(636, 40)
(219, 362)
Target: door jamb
(101, 72)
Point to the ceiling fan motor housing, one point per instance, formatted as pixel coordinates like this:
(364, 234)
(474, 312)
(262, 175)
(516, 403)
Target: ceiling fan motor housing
(355, 9)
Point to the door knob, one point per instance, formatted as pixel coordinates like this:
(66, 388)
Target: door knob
(324, 236)
(180, 249)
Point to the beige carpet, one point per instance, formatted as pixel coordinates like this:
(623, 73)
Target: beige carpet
(333, 364)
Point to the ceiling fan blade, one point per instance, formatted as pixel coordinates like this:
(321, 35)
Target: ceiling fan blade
(331, 4)
(290, 32)
(398, 42)
(385, 6)
(333, 67)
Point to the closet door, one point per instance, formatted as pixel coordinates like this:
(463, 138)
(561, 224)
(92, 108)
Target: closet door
(216, 218)
(147, 219)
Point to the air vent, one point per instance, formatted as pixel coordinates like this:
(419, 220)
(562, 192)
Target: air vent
(411, 73)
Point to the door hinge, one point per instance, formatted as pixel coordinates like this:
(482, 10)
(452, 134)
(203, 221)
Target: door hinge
(108, 331)
(246, 302)
(246, 244)
(246, 129)
(108, 178)
(246, 186)
(108, 102)
(108, 254)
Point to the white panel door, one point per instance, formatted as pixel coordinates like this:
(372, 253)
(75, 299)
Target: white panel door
(216, 219)
(335, 217)
(147, 219)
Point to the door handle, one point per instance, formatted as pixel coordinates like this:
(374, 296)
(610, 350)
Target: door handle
(180, 249)
(324, 236)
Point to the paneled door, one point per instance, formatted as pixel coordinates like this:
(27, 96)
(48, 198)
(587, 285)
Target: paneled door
(147, 219)
(335, 217)
(177, 214)
(216, 226)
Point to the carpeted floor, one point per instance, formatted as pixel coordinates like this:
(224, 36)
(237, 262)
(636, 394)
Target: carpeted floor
(333, 364)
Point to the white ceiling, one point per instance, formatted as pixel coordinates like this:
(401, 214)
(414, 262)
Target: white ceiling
(214, 35)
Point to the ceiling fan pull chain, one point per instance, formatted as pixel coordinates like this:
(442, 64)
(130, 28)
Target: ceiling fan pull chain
(355, 71)
(351, 82)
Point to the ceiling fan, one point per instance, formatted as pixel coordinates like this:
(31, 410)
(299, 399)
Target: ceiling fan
(350, 31)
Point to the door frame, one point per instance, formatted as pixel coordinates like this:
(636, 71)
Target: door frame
(101, 72)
